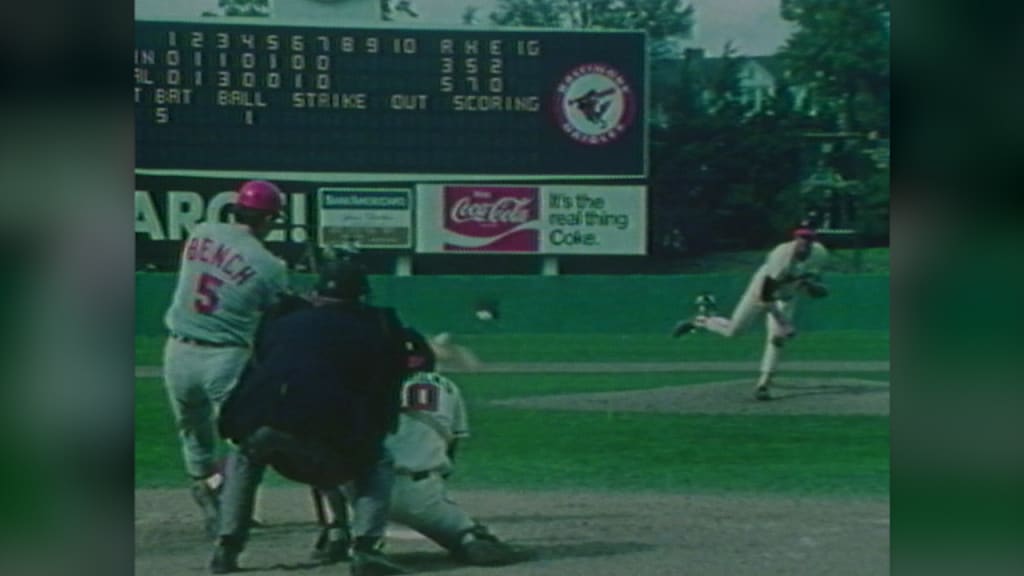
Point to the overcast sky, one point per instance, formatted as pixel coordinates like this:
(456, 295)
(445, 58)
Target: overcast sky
(754, 26)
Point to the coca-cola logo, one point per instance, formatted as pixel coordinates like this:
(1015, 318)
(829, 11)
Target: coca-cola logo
(501, 211)
(491, 218)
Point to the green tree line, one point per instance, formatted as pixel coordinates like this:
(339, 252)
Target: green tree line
(726, 171)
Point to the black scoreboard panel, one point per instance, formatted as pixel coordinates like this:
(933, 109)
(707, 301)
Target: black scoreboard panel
(231, 97)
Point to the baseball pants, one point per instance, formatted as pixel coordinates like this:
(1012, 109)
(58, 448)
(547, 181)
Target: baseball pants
(748, 308)
(424, 506)
(198, 380)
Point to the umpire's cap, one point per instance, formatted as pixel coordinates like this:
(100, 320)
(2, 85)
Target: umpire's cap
(343, 279)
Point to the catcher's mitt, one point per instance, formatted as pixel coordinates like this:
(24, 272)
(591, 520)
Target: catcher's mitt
(815, 289)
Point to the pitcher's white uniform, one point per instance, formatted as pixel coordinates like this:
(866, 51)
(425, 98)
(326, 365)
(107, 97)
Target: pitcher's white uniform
(433, 415)
(787, 271)
(227, 279)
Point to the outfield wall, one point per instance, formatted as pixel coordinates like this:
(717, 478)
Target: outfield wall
(571, 304)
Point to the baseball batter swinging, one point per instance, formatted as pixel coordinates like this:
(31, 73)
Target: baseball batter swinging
(226, 280)
(790, 269)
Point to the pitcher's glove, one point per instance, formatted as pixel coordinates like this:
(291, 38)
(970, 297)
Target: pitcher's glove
(814, 289)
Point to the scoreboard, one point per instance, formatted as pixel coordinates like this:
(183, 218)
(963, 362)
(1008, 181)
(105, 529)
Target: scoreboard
(390, 102)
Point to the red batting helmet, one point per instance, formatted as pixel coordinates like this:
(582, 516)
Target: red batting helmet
(260, 195)
(805, 232)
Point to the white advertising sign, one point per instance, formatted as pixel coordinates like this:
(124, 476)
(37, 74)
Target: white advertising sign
(365, 217)
(523, 219)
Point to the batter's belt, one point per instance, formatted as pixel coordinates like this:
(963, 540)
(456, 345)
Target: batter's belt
(417, 476)
(205, 343)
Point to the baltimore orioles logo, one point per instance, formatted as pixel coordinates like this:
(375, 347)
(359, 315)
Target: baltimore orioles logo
(594, 104)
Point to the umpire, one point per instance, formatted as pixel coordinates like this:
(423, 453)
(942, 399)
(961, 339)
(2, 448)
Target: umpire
(315, 402)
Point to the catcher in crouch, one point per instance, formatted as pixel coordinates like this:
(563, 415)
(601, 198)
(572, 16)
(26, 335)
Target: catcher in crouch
(431, 424)
(791, 268)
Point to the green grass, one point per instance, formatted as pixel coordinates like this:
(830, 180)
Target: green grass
(533, 449)
(833, 345)
(655, 452)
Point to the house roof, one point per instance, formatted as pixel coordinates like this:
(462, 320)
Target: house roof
(669, 73)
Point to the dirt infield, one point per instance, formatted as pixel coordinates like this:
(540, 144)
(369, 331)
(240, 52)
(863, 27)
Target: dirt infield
(567, 533)
(790, 395)
(591, 533)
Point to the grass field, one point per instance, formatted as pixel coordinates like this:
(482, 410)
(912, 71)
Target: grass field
(521, 449)
(835, 345)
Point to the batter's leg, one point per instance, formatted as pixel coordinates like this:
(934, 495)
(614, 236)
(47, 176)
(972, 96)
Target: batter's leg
(241, 480)
(225, 367)
(183, 380)
(192, 413)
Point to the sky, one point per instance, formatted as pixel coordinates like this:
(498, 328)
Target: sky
(754, 26)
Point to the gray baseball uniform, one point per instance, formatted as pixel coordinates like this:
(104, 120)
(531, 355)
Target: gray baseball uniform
(433, 415)
(786, 270)
(226, 280)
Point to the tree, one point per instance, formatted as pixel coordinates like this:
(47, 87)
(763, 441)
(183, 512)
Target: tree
(530, 13)
(841, 50)
(662, 19)
(722, 170)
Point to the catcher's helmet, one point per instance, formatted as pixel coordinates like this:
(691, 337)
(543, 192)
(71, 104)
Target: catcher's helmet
(260, 196)
(343, 279)
(418, 353)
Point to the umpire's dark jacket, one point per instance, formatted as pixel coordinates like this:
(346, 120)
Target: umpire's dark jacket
(330, 373)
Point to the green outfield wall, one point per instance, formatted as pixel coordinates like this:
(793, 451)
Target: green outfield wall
(570, 304)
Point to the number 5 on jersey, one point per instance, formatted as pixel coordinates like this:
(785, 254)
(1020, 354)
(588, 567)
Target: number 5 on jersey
(206, 292)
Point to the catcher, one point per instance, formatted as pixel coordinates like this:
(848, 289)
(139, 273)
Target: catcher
(791, 269)
(431, 425)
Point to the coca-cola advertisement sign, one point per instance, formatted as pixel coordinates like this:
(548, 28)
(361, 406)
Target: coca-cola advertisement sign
(491, 218)
(511, 218)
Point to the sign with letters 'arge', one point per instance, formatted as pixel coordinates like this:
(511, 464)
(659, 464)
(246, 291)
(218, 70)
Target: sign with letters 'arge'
(167, 208)
(517, 219)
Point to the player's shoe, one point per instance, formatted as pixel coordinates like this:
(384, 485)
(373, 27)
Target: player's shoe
(225, 557)
(369, 560)
(333, 545)
(762, 393)
(683, 327)
(481, 548)
(208, 500)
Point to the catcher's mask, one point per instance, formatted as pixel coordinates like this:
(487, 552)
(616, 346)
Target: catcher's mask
(418, 353)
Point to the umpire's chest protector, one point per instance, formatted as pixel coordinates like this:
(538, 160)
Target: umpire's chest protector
(331, 373)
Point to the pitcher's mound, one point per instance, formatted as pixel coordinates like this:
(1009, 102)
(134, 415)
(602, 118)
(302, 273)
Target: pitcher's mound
(796, 395)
